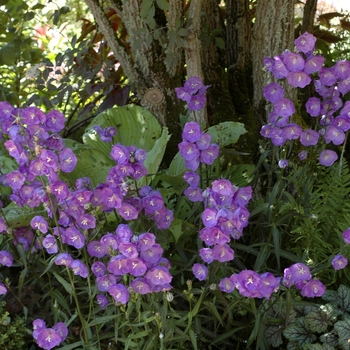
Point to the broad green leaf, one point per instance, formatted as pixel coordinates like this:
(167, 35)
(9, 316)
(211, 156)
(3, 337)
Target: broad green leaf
(330, 339)
(136, 126)
(318, 321)
(20, 216)
(90, 163)
(298, 334)
(273, 335)
(154, 157)
(176, 229)
(163, 5)
(240, 174)
(340, 299)
(343, 330)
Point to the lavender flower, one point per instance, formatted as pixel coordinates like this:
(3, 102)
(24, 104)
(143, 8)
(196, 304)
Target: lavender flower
(6, 258)
(200, 271)
(283, 163)
(192, 132)
(3, 289)
(48, 338)
(226, 285)
(346, 236)
(102, 301)
(327, 157)
(119, 293)
(339, 262)
(305, 43)
(313, 288)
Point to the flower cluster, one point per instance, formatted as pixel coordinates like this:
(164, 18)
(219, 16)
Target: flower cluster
(193, 92)
(300, 69)
(299, 275)
(70, 230)
(196, 147)
(48, 338)
(250, 284)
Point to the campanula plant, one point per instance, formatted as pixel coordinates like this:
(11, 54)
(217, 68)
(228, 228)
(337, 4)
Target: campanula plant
(129, 256)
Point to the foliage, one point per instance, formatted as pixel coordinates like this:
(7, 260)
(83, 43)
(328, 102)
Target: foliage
(12, 331)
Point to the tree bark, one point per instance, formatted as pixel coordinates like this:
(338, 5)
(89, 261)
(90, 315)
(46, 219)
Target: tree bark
(309, 16)
(273, 33)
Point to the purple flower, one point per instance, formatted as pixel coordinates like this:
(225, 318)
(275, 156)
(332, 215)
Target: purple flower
(200, 271)
(208, 155)
(273, 92)
(248, 284)
(120, 154)
(295, 274)
(298, 79)
(6, 258)
(277, 136)
(209, 217)
(346, 235)
(222, 252)
(152, 254)
(327, 157)
(189, 151)
(146, 241)
(283, 163)
(292, 131)
(182, 94)
(79, 268)
(192, 178)
(268, 63)
(98, 268)
(105, 282)
(64, 259)
(305, 43)
(344, 86)
(327, 78)
(50, 244)
(279, 70)
(197, 102)
(193, 84)
(335, 135)
(48, 338)
(309, 137)
(339, 262)
(96, 249)
(139, 285)
(118, 266)
(39, 223)
(86, 221)
(313, 288)
(313, 64)
(204, 141)
(192, 164)
(54, 121)
(59, 189)
(243, 196)
(102, 301)
(136, 267)
(342, 69)
(123, 233)
(224, 187)
(119, 293)
(38, 325)
(158, 275)
(68, 160)
(284, 107)
(226, 285)
(293, 61)
(128, 211)
(313, 106)
(61, 329)
(3, 289)
(302, 155)
(194, 194)
(269, 285)
(192, 132)
(15, 180)
(206, 254)
(32, 115)
(74, 238)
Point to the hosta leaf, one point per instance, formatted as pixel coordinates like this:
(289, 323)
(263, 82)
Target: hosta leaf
(20, 216)
(343, 330)
(298, 334)
(90, 163)
(136, 126)
(319, 320)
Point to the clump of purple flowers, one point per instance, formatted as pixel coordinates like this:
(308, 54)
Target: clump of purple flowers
(331, 84)
(193, 92)
(48, 338)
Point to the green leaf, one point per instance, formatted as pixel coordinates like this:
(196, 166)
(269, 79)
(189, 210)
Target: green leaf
(220, 43)
(343, 330)
(340, 299)
(176, 229)
(64, 283)
(330, 339)
(146, 6)
(318, 321)
(298, 334)
(163, 5)
(20, 216)
(91, 162)
(103, 320)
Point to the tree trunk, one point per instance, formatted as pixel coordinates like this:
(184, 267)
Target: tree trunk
(273, 33)
(309, 16)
